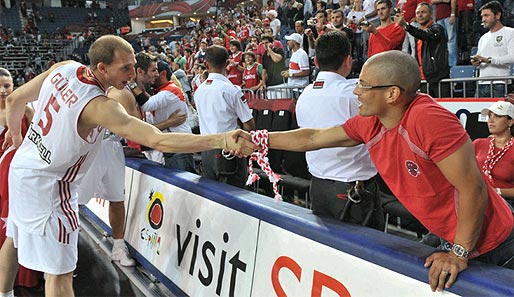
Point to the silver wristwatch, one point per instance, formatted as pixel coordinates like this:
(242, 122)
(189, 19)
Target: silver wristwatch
(132, 85)
(460, 251)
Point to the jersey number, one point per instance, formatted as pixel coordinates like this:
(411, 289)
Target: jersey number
(49, 119)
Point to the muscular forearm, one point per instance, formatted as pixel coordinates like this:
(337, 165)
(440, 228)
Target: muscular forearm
(472, 203)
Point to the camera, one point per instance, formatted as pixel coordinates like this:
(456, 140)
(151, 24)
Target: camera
(364, 23)
(312, 22)
(397, 11)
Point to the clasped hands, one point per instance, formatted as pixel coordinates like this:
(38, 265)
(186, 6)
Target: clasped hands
(239, 143)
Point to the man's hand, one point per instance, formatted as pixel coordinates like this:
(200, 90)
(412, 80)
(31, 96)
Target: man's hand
(285, 73)
(476, 60)
(369, 28)
(398, 18)
(441, 265)
(177, 118)
(239, 143)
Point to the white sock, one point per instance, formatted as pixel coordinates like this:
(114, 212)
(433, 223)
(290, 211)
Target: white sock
(8, 294)
(117, 243)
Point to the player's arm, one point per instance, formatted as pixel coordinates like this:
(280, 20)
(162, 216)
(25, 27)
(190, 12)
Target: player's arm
(302, 140)
(16, 102)
(461, 170)
(110, 114)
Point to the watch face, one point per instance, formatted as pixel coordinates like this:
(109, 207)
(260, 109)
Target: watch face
(459, 250)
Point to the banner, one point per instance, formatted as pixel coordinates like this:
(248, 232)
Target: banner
(204, 248)
(313, 269)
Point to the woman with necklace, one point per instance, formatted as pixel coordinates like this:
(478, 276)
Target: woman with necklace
(495, 154)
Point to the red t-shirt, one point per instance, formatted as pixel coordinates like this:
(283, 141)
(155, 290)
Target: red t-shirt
(503, 172)
(406, 158)
(234, 74)
(387, 38)
(442, 11)
(409, 8)
(251, 76)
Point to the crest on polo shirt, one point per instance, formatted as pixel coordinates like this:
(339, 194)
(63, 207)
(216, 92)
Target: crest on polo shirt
(208, 82)
(318, 84)
(412, 168)
(499, 38)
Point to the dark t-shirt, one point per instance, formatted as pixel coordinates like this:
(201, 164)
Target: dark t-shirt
(273, 69)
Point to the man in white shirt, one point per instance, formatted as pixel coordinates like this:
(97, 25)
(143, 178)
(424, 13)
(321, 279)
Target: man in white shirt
(220, 106)
(299, 69)
(328, 102)
(495, 51)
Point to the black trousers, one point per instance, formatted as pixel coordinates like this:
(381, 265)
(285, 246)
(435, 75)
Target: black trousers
(330, 198)
(212, 161)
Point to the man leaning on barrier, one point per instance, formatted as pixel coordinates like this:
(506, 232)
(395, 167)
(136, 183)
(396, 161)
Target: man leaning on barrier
(430, 168)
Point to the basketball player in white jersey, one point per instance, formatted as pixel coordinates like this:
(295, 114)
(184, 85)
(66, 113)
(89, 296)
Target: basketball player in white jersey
(60, 145)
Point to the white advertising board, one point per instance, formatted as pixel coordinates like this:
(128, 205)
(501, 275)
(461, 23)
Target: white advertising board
(290, 265)
(204, 248)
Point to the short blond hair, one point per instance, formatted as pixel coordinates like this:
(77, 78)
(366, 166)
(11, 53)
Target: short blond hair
(102, 50)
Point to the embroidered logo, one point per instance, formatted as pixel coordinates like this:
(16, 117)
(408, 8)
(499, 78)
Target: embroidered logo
(208, 82)
(412, 168)
(318, 84)
(499, 38)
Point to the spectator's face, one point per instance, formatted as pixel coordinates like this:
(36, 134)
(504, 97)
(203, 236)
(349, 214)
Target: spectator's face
(337, 19)
(298, 27)
(321, 19)
(384, 12)
(498, 124)
(203, 46)
(151, 74)
(489, 19)
(234, 49)
(268, 31)
(423, 15)
(249, 60)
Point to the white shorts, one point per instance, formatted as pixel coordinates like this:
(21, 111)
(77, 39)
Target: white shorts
(54, 252)
(106, 177)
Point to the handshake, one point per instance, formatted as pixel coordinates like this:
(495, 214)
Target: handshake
(239, 143)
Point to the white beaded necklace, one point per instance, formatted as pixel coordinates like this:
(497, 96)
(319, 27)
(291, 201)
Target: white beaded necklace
(493, 158)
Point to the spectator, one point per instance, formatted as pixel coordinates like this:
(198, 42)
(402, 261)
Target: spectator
(408, 11)
(426, 158)
(495, 51)
(275, 23)
(253, 75)
(495, 154)
(431, 50)
(446, 16)
(337, 171)
(200, 54)
(235, 63)
(190, 61)
(466, 10)
(389, 35)
(179, 59)
(354, 18)
(272, 62)
(371, 16)
(299, 69)
(180, 75)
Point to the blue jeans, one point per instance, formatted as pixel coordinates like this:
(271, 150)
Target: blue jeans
(451, 34)
(484, 91)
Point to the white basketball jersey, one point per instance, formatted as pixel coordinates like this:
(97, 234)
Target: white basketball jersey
(53, 157)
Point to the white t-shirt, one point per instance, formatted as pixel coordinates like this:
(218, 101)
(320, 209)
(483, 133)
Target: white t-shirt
(219, 104)
(328, 102)
(500, 47)
(299, 61)
(275, 26)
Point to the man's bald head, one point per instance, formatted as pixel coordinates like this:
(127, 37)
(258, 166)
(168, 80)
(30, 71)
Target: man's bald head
(395, 68)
